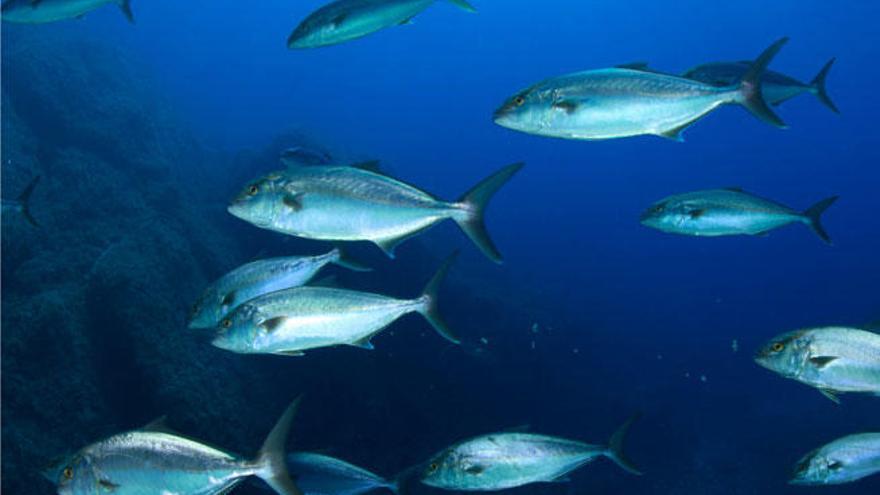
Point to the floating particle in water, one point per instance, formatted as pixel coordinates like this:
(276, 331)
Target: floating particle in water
(718, 300)
(484, 340)
(687, 374)
(533, 345)
(703, 378)
(575, 350)
(659, 357)
(535, 327)
(734, 345)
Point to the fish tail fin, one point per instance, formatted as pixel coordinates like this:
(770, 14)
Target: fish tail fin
(818, 85)
(615, 446)
(24, 199)
(125, 7)
(271, 458)
(429, 309)
(473, 205)
(813, 216)
(751, 96)
(340, 258)
(464, 5)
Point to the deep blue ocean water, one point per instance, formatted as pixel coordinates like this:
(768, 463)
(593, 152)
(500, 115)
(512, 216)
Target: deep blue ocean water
(591, 317)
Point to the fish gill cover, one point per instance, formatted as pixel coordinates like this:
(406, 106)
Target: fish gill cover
(142, 134)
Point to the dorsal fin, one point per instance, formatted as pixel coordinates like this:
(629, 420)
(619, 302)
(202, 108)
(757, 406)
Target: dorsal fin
(371, 165)
(159, 425)
(642, 66)
(734, 189)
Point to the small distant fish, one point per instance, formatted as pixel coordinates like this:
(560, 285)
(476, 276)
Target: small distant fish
(844, 460)
(156, 461)
(291, 321)
(621, 102)
(21, 205)
(507, 460)
(353, 204)
(300, 156)
(346, 20)
(318, 474)
(257, 278)
(833, 360)
(732, 211)
(776, 87)
(42, 11)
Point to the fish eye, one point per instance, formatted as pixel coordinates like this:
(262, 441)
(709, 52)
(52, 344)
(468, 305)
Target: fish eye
(253, 190)
(433, 467)
(67, 474)
(226, 323)
(777, 346)
(519, 101)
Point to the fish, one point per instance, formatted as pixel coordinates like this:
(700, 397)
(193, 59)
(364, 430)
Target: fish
(300, 155)
(505, 460)
(291, 321)
(833, 360)
(346, 20)
(318, 474)
(844, 460)
(257, 278)
(777, 88)
(338, 203)
(156, 460)
(730, 211)
(22, 204)
(43, 11)
(621, 102)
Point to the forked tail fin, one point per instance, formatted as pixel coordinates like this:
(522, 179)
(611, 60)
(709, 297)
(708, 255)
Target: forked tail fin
(429, 297)
(464, 5)
(615, 447)
(751, 96)
(818, 85)
(125, 7)
(24, 199)
(474, 203)
(813, 216)
(272, 458)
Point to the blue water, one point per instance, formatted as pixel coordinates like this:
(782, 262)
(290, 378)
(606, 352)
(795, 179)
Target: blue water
(142, 134)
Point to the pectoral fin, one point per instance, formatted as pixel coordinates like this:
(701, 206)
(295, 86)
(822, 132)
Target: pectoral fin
(475, 469)
(568, 106)
(822, 361)
(406, 22)
(108, 486)
(338, 20)
(273, 323)
(293, 201)
(696, 213)
(831, 394)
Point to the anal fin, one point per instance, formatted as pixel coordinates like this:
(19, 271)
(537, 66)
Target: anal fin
(364, 343)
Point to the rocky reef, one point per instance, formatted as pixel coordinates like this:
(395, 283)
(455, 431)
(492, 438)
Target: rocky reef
(132, 226)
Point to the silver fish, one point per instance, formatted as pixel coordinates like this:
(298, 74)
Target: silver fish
(831, 359)
(844, 460)
(777, 87)
(352, 204)
(42, 11)
(507, 460)
(257, 278)
(720, 212)
(291, 321)
(318, 474)
(21, 205)
(346, 20)
(155, 461)
(622, 102)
